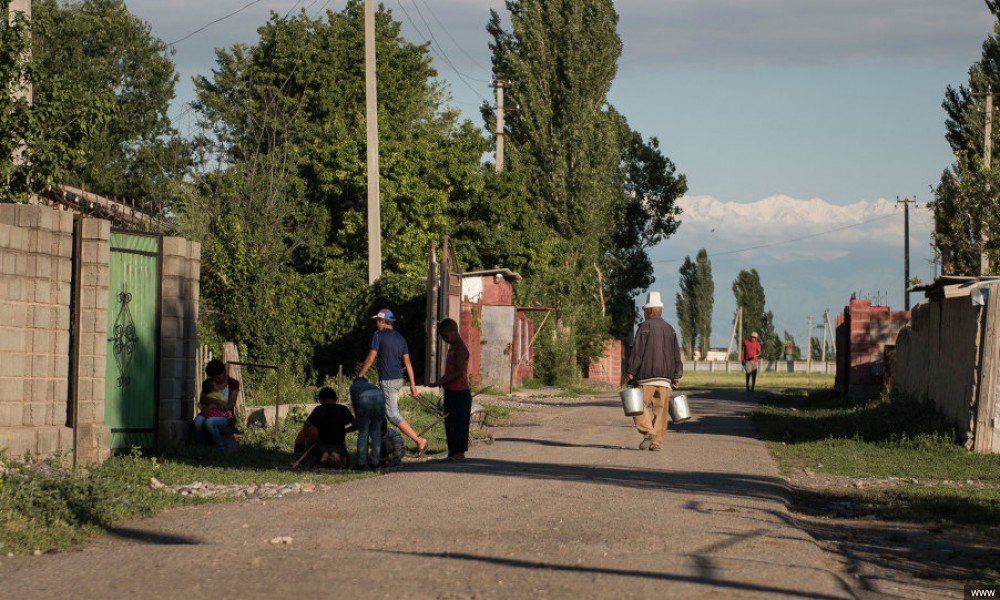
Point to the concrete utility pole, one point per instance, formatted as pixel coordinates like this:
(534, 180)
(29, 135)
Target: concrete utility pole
(906, 202)
(826, 326)
(809, 346)
(984, 260)
(371, 127)
(499, 86)
(21, 89)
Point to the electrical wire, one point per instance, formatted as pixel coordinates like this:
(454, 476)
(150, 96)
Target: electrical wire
(219, 20)
(454, 41)
(435, 48)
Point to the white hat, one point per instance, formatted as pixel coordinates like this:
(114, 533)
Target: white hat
(653, 300)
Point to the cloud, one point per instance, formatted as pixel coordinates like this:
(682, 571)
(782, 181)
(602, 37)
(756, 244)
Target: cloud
(739, 33)
(811, 255)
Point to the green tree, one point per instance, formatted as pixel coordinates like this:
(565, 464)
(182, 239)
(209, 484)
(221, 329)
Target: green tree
(749, 295)
(704, 296)
(284, 217)
(687, 307)
(965, 208)
(599, 193)
(102, 85)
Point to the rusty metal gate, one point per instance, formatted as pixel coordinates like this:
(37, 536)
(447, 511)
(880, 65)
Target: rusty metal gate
(497, 346)
(132, 358)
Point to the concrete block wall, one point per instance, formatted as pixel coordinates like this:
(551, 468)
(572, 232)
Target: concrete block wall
(179, 369)
(36, 246)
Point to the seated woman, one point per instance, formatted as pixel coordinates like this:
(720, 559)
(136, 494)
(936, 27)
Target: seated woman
(214, 418)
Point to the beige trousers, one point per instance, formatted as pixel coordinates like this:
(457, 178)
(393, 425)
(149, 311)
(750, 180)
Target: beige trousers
(654, 423)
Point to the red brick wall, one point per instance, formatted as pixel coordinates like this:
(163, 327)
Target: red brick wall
(524, 351)
(863, 332)
(497, 294)
(608, 368)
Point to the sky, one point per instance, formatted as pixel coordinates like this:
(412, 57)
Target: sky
(810, 103)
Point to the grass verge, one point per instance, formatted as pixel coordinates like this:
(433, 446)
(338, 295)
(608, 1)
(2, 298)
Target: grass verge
(768, 381)
(902, 452)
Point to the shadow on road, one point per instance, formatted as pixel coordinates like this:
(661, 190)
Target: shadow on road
(657, 576)
(158, 539)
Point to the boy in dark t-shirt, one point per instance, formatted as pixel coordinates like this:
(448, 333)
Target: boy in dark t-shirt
(333, 421)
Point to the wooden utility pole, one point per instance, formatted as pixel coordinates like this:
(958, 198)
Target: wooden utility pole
(499, 86)
(371, 127)
(984, 259)
(906, 202)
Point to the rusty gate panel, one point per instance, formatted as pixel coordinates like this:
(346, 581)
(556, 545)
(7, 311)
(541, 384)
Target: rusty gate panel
(497, 347)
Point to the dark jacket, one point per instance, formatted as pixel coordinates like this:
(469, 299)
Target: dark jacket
(655, 352)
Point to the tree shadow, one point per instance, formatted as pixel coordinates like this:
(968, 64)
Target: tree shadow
(159, 539)
(704, 579)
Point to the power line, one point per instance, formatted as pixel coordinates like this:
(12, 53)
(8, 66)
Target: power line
(219, 20)
(788, 241)
(435, 48)
(454, 41)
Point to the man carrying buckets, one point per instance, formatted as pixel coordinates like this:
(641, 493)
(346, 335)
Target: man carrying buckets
(655, 363)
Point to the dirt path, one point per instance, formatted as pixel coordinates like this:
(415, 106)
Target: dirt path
(562, 505)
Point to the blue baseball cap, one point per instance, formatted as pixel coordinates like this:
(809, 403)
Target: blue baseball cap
(385, 314)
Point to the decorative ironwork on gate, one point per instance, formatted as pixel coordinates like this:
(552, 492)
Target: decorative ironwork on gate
(123, 337)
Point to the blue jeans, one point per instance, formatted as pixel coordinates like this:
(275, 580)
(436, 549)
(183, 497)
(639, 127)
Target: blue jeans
(215, 426)
(370, 413)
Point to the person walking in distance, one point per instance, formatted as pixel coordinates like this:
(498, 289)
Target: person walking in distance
(751, 359)
(655, 363)
(389, 348)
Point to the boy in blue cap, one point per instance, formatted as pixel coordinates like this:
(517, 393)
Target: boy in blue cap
(389, 347)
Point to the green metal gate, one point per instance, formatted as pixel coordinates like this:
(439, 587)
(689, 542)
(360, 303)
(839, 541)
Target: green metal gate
(132, 359)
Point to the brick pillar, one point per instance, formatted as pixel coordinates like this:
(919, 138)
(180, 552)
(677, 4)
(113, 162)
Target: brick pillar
(93, 436)
(179, 370)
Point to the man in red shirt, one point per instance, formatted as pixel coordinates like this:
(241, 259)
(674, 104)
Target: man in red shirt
(751, 360)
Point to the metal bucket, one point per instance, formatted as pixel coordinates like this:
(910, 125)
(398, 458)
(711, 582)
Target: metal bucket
(632, 401)
(679, 411)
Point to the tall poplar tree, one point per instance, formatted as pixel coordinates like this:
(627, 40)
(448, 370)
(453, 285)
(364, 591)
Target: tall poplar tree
(966, 204)
(561, 57)
(687, 306)
(749, 295)
(704, 297)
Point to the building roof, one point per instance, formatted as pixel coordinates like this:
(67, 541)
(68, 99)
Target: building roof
(506, 273)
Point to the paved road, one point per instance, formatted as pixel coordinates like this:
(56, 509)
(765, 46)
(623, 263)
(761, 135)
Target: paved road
(563, 506)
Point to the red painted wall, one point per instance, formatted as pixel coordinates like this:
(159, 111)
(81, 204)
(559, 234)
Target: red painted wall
(863, 332)
(608, 368)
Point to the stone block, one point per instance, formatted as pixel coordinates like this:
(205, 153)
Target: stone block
(15, 289)
(174, 246)
(21, 266)
(171, 287)
(18, 239)
(66, 439)
(34, 414)
(173, 307)
(8, 214)
(170, 348)
(85, 389)
(4, 236)
(171, 327)
(86, 367)
(89, 318)
(64, 270)
(11, 387)
(62, 323)
(47, 441)
(31, 240)
(87, 412)
(12, 340)
(96, 229)
(13, 364)
(62, 366)
(15, 415)
(29, 216)
(47, 218)
(65, 249)
(46, 242)
(43, 317)
(65, 222)
(174, 266)
(170, 389)
(43, 266)
(8, 263)
(41, 365)
(18, 440)
(63, 293)
(173, 432)
(43, 341)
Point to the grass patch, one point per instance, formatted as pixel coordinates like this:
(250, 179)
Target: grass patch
(893, 438)
(769, 381)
